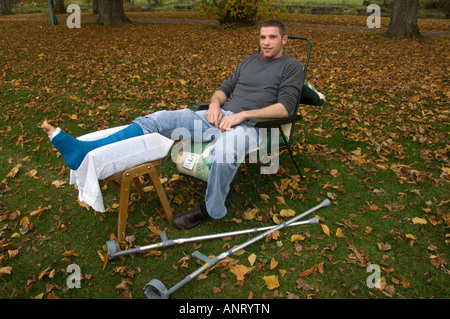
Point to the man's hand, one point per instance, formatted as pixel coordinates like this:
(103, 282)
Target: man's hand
(229, 121)
(214, 115)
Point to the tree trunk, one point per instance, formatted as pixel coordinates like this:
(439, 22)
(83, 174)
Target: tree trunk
(94, 6)
(111, 12)
(6, 6)
(404, 19)
(60, 7)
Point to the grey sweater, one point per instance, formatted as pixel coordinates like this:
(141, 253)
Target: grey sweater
(259, 82)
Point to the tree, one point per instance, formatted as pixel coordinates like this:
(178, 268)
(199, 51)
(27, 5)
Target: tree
(242, 12)
(6, 6)
(111, 12)
(404, 19)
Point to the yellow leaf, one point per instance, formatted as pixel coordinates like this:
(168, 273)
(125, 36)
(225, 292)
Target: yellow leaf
(417, 220)
(410, 236)
(325, 229)
(240, 271)
(24, 221)
(32, 173)
(339, 233)
(14, 171)
(273, 263)
(252, 259)
(287, 212)
(84, 205)
(249, 215)
(282, 272)
(38, 211)
(43, 273)
(276, 220)
(39, 296)
(154, 229)
(320, 267)
(297, 238)
(271, 282)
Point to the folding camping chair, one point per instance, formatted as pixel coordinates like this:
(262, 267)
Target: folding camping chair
(194, 165)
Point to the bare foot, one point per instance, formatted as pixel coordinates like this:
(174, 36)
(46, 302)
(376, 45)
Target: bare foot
(49, 129)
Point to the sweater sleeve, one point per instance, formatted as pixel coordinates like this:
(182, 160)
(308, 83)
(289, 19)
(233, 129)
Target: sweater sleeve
(291, 85)
(230, 84)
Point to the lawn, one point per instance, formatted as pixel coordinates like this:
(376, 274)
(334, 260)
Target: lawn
(378, 149)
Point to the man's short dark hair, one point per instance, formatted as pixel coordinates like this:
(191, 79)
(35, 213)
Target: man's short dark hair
(275, 23)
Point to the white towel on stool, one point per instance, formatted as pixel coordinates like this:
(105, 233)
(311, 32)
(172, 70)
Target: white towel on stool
(110, 159)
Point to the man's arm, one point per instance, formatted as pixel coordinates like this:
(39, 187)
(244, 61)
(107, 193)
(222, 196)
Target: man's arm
(273, 111)
(214, 113)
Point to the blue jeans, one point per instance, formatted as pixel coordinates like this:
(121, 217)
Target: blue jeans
(229, 148)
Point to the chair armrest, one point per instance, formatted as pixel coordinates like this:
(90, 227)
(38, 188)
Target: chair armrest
(267, 123)
(201, 106)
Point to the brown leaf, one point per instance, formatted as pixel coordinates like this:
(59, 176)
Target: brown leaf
(309, 271)
(384, 246)
(303, 285)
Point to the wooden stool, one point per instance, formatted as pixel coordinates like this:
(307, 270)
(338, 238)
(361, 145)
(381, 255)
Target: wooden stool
(123, 189)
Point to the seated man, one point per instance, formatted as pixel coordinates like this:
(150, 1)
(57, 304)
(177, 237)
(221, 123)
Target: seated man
(263, 86)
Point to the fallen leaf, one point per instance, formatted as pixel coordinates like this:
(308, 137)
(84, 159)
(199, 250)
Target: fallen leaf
(6, 270)
(252, 259)
(303, 285)
(325, 229)
(309, 271)
(287, 212)
(240, 271)
(271, 282)
(12, 173)
(418, 220)
(339, 233)
(273, 263)
(297, 238)
(384, 246)
(250, 214)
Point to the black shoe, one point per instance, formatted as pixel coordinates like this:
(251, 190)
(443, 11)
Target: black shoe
(190, 218)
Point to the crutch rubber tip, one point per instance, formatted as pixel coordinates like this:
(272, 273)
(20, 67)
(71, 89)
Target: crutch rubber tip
(112, 249)
(159, 286)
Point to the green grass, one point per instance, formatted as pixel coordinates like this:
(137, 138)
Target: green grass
(374, 198)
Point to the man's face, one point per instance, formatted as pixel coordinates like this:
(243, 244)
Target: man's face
(271, 42)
